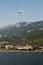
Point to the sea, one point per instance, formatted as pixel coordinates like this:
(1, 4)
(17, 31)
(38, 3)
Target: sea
(21, 58)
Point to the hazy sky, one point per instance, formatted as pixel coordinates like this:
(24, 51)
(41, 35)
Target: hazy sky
(32, 11)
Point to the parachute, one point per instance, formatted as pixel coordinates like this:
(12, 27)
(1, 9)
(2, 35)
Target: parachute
(20, 14)
(20, 11)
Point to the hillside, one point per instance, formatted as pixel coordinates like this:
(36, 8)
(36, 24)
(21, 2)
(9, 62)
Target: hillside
(23, 33)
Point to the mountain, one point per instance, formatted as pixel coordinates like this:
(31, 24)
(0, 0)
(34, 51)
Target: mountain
(23, 33)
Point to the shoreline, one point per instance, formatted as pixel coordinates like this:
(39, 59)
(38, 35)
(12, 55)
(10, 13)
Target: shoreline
(21, 51)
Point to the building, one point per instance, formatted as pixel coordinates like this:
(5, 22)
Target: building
(20, 47)
(7, 47)
(41, 48)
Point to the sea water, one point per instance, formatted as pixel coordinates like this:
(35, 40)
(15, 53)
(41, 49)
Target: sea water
(21, 58)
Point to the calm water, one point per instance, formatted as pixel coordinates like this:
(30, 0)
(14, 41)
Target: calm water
(21, 58)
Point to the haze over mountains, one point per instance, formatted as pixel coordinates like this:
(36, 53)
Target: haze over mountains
(23, 33)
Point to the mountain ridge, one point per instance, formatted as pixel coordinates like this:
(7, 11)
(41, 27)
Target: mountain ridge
(23, 33)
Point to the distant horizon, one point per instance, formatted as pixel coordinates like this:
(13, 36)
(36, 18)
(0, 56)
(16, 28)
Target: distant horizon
(18, 22)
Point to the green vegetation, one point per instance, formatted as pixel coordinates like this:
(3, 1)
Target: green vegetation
(31, 34)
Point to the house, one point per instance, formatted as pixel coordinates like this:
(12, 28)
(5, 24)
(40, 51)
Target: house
(19, 47)
(5, 42)
(41, 47)
(7, 47)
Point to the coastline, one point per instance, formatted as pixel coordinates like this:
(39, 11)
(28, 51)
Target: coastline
(22, 51)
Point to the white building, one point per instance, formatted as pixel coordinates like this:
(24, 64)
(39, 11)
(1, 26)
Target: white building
(8, 47)
(24, 47)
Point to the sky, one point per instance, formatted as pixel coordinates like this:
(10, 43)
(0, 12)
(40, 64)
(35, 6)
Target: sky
(32, 11)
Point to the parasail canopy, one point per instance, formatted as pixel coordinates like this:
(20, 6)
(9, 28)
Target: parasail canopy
(20, 11)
